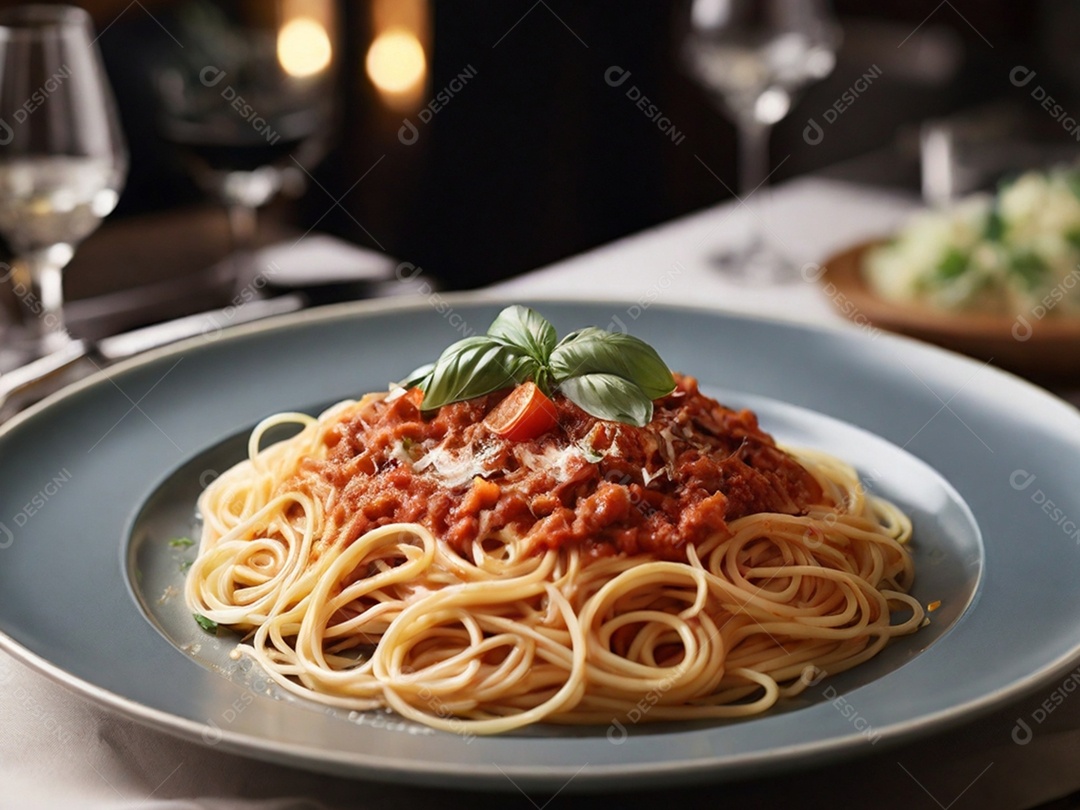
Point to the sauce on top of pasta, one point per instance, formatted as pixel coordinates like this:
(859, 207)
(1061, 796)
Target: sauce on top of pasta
(606, 486)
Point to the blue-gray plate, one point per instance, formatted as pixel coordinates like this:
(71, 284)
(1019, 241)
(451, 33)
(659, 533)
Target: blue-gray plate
(99, 482)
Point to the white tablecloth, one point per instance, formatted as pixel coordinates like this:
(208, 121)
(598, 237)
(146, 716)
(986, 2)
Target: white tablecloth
(805, 221)
(58, 750)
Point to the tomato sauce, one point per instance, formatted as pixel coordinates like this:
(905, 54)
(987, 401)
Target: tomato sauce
(604, 486)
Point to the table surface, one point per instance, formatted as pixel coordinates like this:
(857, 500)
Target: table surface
(58, 749)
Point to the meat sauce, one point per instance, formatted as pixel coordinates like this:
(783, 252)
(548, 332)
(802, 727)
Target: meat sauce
(604, 486)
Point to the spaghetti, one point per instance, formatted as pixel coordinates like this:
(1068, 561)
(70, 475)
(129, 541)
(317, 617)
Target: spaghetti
(385, 558)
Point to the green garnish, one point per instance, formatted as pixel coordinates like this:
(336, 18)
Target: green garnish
(1073, 238)
(1029, 268)
(952, 265)
(590, 454)
(1072, 180)
(995, 224)
(609, 375)
(209, 625)
(186, 565)
(181, 542)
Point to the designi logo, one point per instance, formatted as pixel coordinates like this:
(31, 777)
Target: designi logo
(212, 734)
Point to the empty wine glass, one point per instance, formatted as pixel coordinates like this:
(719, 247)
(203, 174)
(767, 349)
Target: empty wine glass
(248, 101)
(62, 160)
(754, 56)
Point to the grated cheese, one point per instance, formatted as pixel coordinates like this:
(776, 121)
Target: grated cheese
(455, 469)
(553, 460)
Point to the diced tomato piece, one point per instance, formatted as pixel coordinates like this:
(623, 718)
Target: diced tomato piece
(482, 495)
(525, 414)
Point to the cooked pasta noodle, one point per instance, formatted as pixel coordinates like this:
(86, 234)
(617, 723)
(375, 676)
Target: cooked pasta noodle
(498, 633)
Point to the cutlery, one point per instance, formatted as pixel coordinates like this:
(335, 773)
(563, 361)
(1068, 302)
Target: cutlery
(31, 380)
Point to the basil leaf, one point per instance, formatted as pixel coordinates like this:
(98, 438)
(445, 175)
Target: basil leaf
(596, 351)
(417, 376)
(578, 334)
(607, 396)
(610, 375)
(471, 368)
(209, 625)
(525, 329)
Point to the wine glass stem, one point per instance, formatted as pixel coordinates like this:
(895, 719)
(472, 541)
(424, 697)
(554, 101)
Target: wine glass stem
(241, 226)
(753, 155)
(39, 285)
(242, 229)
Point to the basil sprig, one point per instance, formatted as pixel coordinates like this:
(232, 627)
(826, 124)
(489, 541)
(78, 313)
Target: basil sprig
(608, 375)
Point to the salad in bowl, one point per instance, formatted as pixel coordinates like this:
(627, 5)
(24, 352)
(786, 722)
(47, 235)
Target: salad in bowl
(1013, 253)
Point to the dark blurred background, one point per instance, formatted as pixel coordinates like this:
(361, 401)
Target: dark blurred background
(535, 156)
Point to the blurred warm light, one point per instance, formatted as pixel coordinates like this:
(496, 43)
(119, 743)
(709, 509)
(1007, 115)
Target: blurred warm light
(303, 47)
(396, 63)
(708, 14)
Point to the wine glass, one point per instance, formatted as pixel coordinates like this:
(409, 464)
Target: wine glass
(754, 56)
(63, 161)
(248, 102)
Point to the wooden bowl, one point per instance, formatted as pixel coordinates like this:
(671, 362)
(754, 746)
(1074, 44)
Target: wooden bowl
(1046, 349)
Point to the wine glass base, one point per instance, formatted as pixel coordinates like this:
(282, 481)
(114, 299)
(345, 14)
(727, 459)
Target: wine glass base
(755, 263)
(14, 350)
(19, 346)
